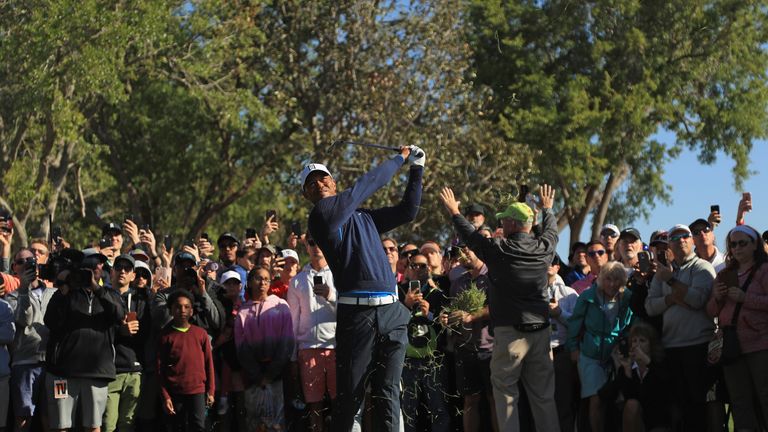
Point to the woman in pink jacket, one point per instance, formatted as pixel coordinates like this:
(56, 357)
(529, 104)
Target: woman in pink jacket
(747, 377)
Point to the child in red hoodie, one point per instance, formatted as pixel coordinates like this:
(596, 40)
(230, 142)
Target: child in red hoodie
(185, 367)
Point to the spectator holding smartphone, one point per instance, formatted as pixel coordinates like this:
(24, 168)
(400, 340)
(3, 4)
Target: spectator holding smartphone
(81, 316)
(312, 300)
(704, 242)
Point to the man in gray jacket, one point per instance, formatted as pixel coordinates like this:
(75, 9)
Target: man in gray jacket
(519, 307)
(679, 291)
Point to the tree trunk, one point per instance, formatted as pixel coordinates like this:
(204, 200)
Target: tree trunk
(615, 179)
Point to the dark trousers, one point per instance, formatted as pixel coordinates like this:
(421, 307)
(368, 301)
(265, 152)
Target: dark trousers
(424, 395)
(369, 339)
(691, 380)
(190, 413)
(566, 389)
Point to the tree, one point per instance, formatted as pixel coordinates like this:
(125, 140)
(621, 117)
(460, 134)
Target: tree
(590, 83)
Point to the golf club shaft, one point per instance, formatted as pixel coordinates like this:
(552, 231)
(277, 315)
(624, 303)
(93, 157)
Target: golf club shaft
(378, 146)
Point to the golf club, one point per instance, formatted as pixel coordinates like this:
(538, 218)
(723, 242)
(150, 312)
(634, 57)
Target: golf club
(378, 146)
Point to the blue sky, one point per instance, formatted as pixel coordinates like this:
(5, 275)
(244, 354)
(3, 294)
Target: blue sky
(694, 188)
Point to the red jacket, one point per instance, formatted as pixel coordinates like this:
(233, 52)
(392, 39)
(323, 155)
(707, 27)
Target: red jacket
(184, 362)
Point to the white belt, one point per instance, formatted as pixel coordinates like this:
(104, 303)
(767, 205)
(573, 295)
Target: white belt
(368, 301)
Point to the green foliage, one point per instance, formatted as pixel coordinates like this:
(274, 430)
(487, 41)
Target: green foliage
(590, 83)
(471, 300)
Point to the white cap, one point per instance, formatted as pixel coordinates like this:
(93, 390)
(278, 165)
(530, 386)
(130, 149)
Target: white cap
(290, 253)
(227, 275)
(678, 227)
(610, 227)
(309, 169)
(142, 265)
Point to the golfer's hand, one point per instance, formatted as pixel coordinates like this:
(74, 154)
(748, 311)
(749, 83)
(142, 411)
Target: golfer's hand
(405, 151)
(418, 157)
(449, 201)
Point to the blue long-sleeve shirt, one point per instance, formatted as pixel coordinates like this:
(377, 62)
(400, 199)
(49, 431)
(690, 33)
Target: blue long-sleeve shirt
(350, 237)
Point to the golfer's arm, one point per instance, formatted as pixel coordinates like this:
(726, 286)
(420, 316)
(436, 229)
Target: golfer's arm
(389, 218)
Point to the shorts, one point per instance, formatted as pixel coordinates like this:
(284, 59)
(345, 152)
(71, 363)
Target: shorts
(317, 367)
(4, 396)
(89, 394)
(473, 373)
(593, 375)
(27, 383)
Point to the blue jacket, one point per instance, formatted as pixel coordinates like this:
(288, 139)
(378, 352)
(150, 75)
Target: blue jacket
(7, 331)
(588, 329)
(350, 237)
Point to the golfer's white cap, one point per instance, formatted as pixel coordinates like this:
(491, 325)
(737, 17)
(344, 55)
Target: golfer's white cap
(309, 169)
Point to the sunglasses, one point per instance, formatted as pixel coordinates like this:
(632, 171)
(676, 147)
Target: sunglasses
(409, 254)
(390, 249)
(610, 234)
(418, 266)
(123, 267)
(679, 237)
(20, 261)
(595, 253)
(738, 243)
(704, 230)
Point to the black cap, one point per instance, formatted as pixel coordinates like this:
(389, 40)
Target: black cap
(474, 208)
(183, 255)
(227, 235)
(577, 245)
(700, 222)
(110, 227)
(659, 236)
(556, 260)
(765, 236)
(126, 257)
(74, 256)
(630, 232)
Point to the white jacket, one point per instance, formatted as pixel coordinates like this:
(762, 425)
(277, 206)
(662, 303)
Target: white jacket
(314, 317)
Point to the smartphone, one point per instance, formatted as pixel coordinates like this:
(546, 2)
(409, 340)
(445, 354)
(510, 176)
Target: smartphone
(662, 257)
(714, 208)
(747, 196)
(271, 213)
(296, 228)
(644, 259)
(523, 194)
(414, 285)
(318, 280)
(131, 316)
(250, 233)
(205, 237)
(624, 346)
(190, 243)
(167, 242)
(128, 217)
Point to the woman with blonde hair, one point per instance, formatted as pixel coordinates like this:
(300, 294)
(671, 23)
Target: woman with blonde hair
(600, 317)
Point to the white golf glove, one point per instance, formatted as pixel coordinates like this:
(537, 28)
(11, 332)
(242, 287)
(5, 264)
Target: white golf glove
(417, 157)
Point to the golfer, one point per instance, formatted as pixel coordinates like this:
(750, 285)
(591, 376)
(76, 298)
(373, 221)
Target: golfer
(371, 323)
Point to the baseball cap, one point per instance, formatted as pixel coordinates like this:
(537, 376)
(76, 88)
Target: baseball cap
(185, 256)
(111, 227)
(309, 169)
(93, 252)
(139, 255)
(230, 274)
(659, 236)
(610, 227)
(577, 245)
(556, 260)
(270, 248)
(517, 211)
(700, 221)
(678, 227)
(126, 257)
(227, 235)
(142, 266)
(630, 232)
(474, 208)
(290, 253)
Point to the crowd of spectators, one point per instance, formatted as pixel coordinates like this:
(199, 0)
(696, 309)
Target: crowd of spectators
(130, 333)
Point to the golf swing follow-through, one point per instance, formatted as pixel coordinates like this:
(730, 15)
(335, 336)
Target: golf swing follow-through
(371, 322)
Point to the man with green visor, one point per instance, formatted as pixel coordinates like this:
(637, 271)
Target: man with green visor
(519, 306)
